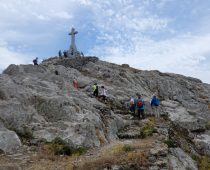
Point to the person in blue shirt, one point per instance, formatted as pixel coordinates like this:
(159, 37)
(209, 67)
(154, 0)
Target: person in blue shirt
(154, 104)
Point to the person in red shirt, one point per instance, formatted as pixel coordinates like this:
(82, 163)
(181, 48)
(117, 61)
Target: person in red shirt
(75, 83)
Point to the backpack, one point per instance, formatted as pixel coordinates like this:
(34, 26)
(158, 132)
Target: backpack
(157, 102)
(139, 103)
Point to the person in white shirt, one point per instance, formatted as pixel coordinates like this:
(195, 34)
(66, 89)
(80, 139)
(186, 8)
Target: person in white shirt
(132, 105)
(103, 93)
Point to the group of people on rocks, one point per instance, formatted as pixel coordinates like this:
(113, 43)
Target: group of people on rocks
(103, 93)
(138, 105)
(65, 55)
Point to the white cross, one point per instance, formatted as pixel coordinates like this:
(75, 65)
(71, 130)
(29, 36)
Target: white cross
(72, 33)
(73, 48)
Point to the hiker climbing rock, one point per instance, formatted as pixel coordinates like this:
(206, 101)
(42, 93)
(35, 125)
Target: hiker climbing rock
(103, 93)
(35, 61)
(154, 104)
(140, 107)
(132, 105)
(75, 83)
(56, 72)
(95, 90)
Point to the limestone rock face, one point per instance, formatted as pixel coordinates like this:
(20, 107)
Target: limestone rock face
(202, 143)
(47, 105)
(179, 160)
(9, 141)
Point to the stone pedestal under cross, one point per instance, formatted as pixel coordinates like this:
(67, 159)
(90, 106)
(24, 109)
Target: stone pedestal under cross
(72, 52)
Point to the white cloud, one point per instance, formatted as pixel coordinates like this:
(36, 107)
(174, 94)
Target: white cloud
(124, 37)
(63, 15)
(24, 11)
(24, 25)
(147, 34)
(182, 55)
(8, 56)
(125, 16)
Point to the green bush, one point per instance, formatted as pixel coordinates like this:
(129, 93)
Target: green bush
(25, 135)
(1, 151)
(59, 141)
(170, 143)
(203, 162)
(127, 148)
(208, 125)
(147, 130)
(60, 147)
(80, 150)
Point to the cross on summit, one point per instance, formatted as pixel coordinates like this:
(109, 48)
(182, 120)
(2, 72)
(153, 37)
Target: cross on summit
(73, 49)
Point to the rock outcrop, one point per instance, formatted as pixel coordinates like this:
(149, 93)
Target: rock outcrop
(179, 160)
(9, 141)
(37, 103)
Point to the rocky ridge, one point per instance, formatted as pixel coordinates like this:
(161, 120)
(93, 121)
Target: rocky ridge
(37, 105)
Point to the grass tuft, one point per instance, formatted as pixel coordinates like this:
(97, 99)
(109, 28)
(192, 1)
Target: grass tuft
(170, 143)
(127, 148)
(148, 129)
(60, 147)
(203, 162)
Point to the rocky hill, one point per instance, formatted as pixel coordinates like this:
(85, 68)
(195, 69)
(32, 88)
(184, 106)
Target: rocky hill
(38, 106)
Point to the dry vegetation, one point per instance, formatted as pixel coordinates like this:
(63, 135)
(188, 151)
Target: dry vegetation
(129, 154)
(133, 155)
(100, 137)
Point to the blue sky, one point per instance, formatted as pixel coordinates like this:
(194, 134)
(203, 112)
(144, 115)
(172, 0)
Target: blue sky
(166, 35)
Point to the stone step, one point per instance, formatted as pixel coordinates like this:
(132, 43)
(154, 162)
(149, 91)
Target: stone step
(10, 167)
(128, 136)
(131, 132)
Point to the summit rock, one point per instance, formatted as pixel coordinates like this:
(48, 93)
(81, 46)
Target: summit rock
(37, 102)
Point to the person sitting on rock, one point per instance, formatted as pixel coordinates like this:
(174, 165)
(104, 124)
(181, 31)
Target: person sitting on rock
(35, 61)
(140, 107)
(65, 54)
(154, 104)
